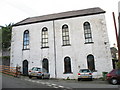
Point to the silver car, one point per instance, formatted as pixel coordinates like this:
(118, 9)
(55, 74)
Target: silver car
(84, 74)
(39, 73)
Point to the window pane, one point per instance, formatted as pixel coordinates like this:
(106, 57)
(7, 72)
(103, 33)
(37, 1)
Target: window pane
(86, 40)
(87, 32)
(65, 35)
(67, 38)
(44, 37)
(67, 42)
(64, 38)
(26, 39)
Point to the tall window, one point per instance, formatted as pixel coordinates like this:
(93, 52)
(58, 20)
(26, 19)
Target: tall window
(26, 40)
(65, 35)
(87, 33)
(67, 65)
(90, 62)
(44, 37)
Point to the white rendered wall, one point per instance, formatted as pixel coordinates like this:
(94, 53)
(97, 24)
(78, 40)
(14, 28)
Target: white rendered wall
(77, 51)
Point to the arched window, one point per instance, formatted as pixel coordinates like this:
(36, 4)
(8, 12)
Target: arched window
(65, 35)
(90, 62)
(45, 64)
(26, 40)
(44, 37)
(87, 32)
(67, 65)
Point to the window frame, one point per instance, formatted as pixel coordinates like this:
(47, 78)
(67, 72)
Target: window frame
(44, 38)
(87, 33)
(26, 40)
(65, 35)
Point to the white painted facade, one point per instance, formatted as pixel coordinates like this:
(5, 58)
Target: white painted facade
(77, 50)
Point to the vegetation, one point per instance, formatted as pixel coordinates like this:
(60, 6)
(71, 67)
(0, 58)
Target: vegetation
(5, 43)
(5, 57)
(118, 64)
(5, 32)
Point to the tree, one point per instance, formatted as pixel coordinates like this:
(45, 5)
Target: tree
(6, 35)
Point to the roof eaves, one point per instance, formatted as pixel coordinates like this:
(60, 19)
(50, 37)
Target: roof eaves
(55, 18)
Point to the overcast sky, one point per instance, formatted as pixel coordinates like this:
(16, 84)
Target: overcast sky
(13, 11)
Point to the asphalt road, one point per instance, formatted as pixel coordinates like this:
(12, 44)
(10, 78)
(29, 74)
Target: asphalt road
(25, 82)
(12, 82)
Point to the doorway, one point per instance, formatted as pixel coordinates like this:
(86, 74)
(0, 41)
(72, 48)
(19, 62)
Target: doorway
(25, 67)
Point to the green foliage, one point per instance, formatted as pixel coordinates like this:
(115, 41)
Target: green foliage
(6, 57)
(6, 35)
(118, 64)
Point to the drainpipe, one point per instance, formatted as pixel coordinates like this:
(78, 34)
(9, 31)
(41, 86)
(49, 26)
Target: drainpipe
(54, 49)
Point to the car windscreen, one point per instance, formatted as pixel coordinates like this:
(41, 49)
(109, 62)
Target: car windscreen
(84, 70)
(33, 68)
(36, 69)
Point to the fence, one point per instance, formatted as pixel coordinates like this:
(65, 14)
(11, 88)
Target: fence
(14, 71)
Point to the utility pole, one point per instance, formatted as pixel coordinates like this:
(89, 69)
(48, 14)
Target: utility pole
(117, 36)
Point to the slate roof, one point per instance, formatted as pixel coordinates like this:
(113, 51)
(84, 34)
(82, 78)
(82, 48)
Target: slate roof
(69, 14)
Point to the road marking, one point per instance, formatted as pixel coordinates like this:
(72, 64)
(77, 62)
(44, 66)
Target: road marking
(37, 82)
(48, 84)
(42, 83)
(55, 87)
(53, 84)
(33, 81)
(61, 86)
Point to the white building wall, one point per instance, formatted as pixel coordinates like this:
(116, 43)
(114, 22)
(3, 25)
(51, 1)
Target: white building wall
(35, 55)
(77, 51)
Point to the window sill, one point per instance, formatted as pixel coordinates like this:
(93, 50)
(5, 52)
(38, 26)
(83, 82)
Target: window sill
(25, 49)
(44, 47)
(67, 45)
(68, 73)
(88, 42)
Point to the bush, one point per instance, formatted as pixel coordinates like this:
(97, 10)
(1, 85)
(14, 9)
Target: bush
(118, 64)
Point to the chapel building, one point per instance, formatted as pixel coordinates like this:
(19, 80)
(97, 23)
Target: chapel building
(62, 43)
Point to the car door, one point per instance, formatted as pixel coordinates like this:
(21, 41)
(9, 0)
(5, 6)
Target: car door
(33, 71)
(118, 74)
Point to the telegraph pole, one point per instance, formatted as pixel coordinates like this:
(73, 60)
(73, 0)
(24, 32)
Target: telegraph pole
(117, 36)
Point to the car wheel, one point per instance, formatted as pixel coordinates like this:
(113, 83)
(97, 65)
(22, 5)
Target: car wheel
(43, 76)
(91, 79)
(79, 79)
(114, 81)
(30, 77)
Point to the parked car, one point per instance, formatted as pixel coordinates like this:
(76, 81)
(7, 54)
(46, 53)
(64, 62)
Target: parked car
(39, 73)
(113, 76)
(85, 74)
